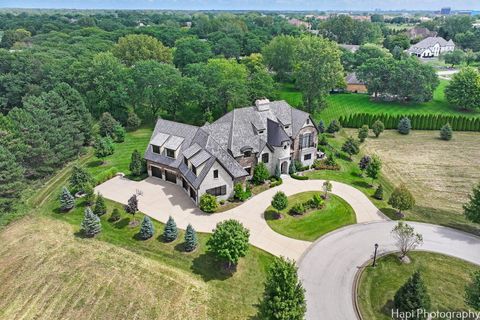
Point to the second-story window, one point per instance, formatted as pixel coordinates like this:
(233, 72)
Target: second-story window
(265, 158)
(155, 149)
(215, 174)
(170, 153)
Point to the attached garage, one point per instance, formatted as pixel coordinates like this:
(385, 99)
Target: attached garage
(156, 172)
(170, 176)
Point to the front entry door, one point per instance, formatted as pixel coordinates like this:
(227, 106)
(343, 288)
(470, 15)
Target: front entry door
(156, 172)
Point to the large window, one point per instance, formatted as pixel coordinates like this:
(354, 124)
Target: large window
(155, 149)
(307, 157)
(218, 191)
(265, 158)
(306, 140)
(170, 153)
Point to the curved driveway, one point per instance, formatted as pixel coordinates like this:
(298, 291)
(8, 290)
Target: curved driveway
(328, 268)
(161, 199)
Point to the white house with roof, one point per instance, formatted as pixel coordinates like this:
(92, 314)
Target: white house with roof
(431, 47)
(213, 158)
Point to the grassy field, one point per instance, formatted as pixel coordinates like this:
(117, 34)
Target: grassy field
(445, 278)
(336, 213)
(348, 103)
(63, 275)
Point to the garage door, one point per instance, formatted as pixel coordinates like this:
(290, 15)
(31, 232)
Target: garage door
(156, 172)
(170, 176)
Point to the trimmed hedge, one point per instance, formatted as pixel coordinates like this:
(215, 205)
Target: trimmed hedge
(298, 177)
(105, 175)
(419, 121)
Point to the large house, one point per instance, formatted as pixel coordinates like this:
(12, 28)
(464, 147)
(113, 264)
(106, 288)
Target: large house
(213, 158)
(431, 47)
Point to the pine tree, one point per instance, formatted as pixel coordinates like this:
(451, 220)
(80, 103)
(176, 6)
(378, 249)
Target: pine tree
(404, 126)
(191, 241)
(412, 295)
(446, 132)
(11, 180)
(100, 207)
(136, 165)
(291, 168)
(378, 193)
(278, 173)
(472, 208)
(146, 230)
(321, 126)
(334, 126)
(91, 223)
(79, 179)
(170, 232)
(284, 296)
(67, 202)
(472, 291)
(89, 195)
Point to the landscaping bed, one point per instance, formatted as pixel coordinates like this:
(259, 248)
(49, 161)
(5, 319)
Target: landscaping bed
(445, 279)
(313, 223)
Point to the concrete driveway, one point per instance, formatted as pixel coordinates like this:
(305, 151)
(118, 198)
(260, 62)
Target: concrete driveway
(160, 199)
(328, 268)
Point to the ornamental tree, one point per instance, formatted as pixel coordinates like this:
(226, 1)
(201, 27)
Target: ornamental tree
(472, 208)
(229, 242)
(208, 203)
(327, 187)
(373, 168)
(191, 241)
(137, 164)
(404, 126)
(147, 229)
(472, 291)
(284, 296)
(100, 207)
(260, 173)
(67, 202)
(351, 147)
(412, 295)
(405, 238)
(378, 127)
(279, 201)
(91, 223)
(363, 133)
(446, 132)
(170, 232)
(401, 199)
(132, 206)
(364, 162)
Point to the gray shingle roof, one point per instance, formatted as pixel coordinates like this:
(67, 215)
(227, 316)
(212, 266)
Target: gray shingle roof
(276, 134)
(173, 142)
(351, 78)
(191, 151)
(200, 158)
(159, 139)
(428, 43)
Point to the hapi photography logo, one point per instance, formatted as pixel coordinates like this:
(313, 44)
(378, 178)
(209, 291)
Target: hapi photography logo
(424, 314)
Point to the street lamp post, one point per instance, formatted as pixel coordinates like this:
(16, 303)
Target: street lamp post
(375, 256)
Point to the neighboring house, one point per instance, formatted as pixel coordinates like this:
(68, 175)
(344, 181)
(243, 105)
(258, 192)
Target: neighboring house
(431, 47)
(419, 33)
(300, 23)
(349, 47)
(213, 158)
(354, 85)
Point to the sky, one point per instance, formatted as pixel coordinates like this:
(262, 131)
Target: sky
(347, 5)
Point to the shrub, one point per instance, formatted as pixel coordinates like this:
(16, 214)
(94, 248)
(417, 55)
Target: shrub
(91, 223)
(146, 230)
(260, 173)
(292, 168)
(298, 165)
(133, 121)
(89, 195)
(322, 140)
(317, 201)
(404, 126)
(229, 241)
(279, 201)
(118, 133)
(378, 193)
(297, 209)
(401, 199)
(67, 202)
(241, 194)
(105, 175)
(298, 177)
(334, 126)
(100, 207)
(278, 173)
(208, 203)
(363, 133)
(170, 232)
(115, 216)
(378, 127)
(191, 241)
(276, 182)
(446, 132)
(351, 147)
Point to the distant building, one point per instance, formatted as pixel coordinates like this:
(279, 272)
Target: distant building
(446, 11)
(360, 18)
(431, 47)
(349, 47)
(354, 85)
(300, 23)
(420, 33)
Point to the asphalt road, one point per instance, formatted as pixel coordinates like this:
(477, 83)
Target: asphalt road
(327, 269)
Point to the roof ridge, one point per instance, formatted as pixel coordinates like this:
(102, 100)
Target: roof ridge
(178, 122)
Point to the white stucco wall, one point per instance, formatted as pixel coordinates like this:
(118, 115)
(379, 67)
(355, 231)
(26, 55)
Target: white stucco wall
(281, 154)
(271, 162)
(210, 182)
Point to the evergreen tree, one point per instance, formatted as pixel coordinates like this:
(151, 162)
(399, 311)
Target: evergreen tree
(67, 202)
(334, 126)
(11, 180)
(146, 230)
(80, 178)
(351, 147)
(103, 148)
(291, 168)
(321, 126)
(472, 291)
(107, 125)
(191, 241)
(118, 133)
(446, 132)
(132, 206)
(284, 296)
(260, 173)
(279, 201)
(472, 208)
(404, 126)
(322, 140)
(363, 133)
(91, 223)
(100, 207)
(115, 216)
(170, 232)
(278, 173)
(378, 193)
(378, 127)
(374, 167)
(89, 195)
(133, 121)
(412, 295)
(136, 163)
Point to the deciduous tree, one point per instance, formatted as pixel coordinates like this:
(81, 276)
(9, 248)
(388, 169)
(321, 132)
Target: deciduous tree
(378, 127)
(401, 199)
(405, 237)
(136, 47)
(350, 147)
(463, 91)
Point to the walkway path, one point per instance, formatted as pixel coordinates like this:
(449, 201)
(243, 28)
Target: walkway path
(328, 268)
(160, 199)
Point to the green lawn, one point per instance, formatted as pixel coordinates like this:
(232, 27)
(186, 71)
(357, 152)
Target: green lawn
(336, 213)
(445, 278)
(348, 103)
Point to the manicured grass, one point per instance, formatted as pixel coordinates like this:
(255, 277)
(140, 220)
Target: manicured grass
(445, 278)
(335, 214)
(348, 103)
